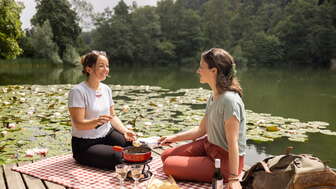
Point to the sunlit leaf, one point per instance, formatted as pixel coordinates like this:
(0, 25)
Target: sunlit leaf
(272, 128)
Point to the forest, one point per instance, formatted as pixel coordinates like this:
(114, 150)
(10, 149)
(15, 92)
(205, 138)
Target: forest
(256, 32)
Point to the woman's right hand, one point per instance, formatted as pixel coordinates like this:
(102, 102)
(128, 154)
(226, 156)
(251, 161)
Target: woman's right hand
(103, 119)
(166, 140)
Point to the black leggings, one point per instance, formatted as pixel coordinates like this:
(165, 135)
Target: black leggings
(98, 152)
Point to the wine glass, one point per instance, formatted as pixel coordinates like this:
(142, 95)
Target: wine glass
(136, 171)
(121, 170)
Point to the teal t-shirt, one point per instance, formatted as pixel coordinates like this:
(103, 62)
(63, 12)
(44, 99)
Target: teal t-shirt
(217, 111)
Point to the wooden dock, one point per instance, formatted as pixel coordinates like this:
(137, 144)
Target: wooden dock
(13, 180)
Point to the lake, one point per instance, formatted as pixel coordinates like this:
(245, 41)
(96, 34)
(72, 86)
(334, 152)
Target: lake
(305, 94)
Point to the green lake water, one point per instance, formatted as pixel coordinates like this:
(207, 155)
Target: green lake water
(304, 94)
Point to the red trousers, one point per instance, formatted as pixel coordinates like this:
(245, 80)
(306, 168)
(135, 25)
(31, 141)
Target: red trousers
(195, 161)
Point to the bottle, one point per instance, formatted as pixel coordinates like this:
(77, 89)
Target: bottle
(217, 178)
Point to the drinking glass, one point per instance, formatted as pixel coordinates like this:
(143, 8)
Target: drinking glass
(121, 170)
(136, 171)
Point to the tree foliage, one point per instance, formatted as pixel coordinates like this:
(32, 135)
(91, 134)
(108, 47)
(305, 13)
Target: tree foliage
(145, 32)
(63, 21)
(41, 40)
(308, 32)
(114, 34)
(85, 13)
(269, 32)
(256, 32)
(168, 33)
(71, 56)
(10, 28)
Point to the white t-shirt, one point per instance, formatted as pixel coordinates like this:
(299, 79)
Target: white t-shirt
(96, 103)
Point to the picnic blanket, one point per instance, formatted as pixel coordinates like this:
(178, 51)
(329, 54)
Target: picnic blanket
(65, 171)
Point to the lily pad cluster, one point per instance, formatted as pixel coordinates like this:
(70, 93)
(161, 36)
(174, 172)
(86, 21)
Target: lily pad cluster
(36, 117)
(264, 127)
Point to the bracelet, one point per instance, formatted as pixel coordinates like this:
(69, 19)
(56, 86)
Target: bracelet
(233, 179)
(234, 174)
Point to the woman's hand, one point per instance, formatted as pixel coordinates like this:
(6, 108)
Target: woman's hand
(103, 119)
(166, 140)
(235, 184)
(130, 135)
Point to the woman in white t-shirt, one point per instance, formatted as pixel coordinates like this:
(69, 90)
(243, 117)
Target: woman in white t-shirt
(95, 126)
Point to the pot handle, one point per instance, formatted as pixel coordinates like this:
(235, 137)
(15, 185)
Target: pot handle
(117, 148)
(146, 166)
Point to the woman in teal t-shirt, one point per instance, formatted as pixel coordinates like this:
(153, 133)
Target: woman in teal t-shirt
(222, 127)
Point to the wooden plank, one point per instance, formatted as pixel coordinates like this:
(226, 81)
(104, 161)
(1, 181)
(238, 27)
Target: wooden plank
(31, 182)
(48, 184)
(51, 185)
(2, 179)
(13, 179)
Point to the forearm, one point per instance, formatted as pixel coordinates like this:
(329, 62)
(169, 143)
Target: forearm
(231, 127)
(233, 159)
(86, 124)
(188, 135)
(117, 124)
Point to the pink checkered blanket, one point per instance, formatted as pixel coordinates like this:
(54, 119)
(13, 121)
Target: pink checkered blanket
(65, 171)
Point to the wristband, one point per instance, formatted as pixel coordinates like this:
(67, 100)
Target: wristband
(233, 179)
(234, 174)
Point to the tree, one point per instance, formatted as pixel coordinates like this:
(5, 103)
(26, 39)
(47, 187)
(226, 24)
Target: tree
(193, 4)
(71, 56)
(254, 31)
(264, 49)
(145, 30)
(122, 10)
(10, 28)
(42, 43)
(85, 13)
(188, 39)
(114, 34)
(166, 11)
(181, 30)
(308, 33)
(216, 17)
(26, 45)
(63, 21)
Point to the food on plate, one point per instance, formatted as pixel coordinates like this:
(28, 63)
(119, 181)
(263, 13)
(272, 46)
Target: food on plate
(156, 183)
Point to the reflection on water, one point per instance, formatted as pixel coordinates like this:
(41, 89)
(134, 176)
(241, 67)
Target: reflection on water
(37, 73)
(305, 94)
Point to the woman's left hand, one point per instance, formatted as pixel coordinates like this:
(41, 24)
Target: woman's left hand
(233, 185)
(130, 135)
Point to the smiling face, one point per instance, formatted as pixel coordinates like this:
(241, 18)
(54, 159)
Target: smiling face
(99, 70)
(207, 75)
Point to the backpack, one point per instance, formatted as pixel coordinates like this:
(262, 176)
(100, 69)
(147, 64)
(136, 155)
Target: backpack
(290, 171)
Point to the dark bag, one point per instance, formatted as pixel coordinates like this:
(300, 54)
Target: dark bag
(290, 172)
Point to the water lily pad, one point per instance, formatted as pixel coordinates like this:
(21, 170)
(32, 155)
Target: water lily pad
(328, 132)
(272, 128)
(257, 138)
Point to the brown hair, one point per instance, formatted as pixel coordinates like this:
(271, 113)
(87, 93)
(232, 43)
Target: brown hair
(90, 59)
(226, 70)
